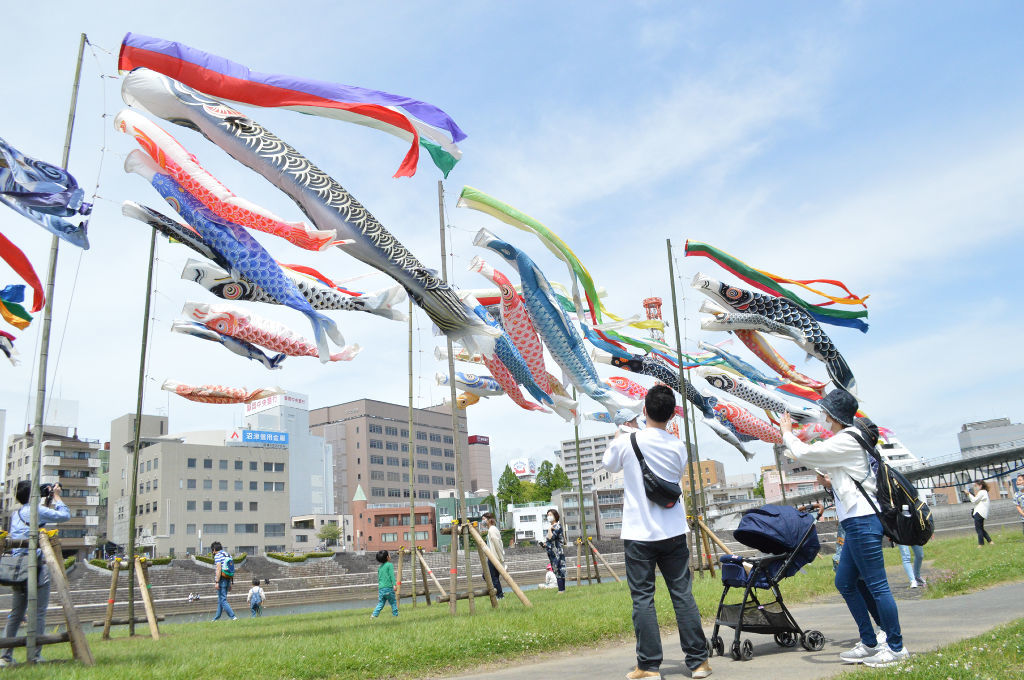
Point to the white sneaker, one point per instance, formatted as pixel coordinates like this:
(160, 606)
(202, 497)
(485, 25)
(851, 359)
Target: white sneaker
(914, 584)
(860, 652)
(880, 637)
(886, 657)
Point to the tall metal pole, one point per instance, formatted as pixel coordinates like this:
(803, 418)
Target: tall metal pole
(459, 462)
(44, 355)
(412, 471)
(682, 392)
(133, 496)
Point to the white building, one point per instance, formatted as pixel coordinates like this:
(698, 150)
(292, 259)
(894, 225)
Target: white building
(989, 436)
(528, 519)
(607, 480)
(310, 459)
(591, 452)
(304, 530)
(896, 455)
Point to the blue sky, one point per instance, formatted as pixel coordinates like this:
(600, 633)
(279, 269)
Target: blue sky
(879, 143)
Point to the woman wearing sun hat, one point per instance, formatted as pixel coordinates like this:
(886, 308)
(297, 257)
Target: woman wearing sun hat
(845, 461)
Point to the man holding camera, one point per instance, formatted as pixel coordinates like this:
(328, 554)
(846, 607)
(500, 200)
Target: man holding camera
(51, 510)
(654, 534)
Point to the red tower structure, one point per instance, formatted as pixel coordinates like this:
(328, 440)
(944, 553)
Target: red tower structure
(652, 306)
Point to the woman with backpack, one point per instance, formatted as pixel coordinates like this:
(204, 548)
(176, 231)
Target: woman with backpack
(979, 512)
(846, 461)
(553, 539)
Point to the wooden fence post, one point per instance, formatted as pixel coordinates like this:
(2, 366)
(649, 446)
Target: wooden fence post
(142, 570)
(59, 582)
(110, 600)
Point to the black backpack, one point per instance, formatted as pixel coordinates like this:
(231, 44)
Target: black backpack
(894, 491)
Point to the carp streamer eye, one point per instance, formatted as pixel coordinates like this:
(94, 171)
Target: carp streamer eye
(232, 291)
(507, 293)
(733, 293)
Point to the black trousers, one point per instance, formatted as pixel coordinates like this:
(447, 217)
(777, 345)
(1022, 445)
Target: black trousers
(979, 526)
(495, 580)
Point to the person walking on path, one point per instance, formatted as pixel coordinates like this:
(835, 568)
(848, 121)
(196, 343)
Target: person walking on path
(979, 512)
(913, 558)
(655, 536)
(494, 543)
(846, 463)
(256, 598)
(385, 584)
(553, 539)
(224, 573)
(51, 511)
(1018, 496)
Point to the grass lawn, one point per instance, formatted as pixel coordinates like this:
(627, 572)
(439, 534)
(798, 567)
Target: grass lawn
(427, 641)
(995, 655)
(959, 565)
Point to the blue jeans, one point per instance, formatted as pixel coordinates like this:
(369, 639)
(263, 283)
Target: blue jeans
(913, 569)
(223, 586)
(672, 557)
(862, 559)
(386, 595)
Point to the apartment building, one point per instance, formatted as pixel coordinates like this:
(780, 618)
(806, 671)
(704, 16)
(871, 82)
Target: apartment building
(304, 530)
(385, 526)
(591, 452)
(528, 520)
(712, 472)
(199, 487)
(369, 441)
(66, 459)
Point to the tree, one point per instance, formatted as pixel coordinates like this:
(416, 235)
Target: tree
(508, 487)
(759, 489)
(532, 491)
(543, 480)
(559, 480)
(329, 533)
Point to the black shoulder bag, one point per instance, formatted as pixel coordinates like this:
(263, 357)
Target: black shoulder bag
(14, 568)
(658, 491)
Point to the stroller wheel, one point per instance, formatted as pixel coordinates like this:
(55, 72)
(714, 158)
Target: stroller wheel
(747, 650)
(813, 641)
(785, 639)
(719, 645)
(736, 654)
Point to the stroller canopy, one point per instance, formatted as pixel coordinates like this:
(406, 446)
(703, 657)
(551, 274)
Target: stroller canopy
(780, 529)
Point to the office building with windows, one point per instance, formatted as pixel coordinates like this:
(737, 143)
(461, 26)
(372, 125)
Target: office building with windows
(73, 463)
(199, 487)
(370, 443)
(385, 526)
(591, 452)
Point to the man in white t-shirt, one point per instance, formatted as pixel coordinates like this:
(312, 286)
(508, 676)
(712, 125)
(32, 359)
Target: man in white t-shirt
(656, 536)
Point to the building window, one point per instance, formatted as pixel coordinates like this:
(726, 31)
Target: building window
(154, 506)
(238, 485)
(423, 494)
(448, 439)
(435, 451)
(301, 538)
(278, 467)
(435, 437)
(376, 459)
(437, 466)
(253, 506)
(170, 530)
(449, 453)
(423, 479)
(223, 464)
(238, 465)
(208, 463)
(190, 506)
(254, 486)
(253, 466)
(421, 435)
(394, 476)
(215, 528)
(222, 485)
(437, 480)
(207, 506)
(389, 538)
(391, 446)
(394, 493)
(376, 491)
(376, 444)
(268, 467)
(238, 506)
(222, 506)
(190, 462)
(207, 484)
(391, 431)
(190, 529)
(423, 464)
(155, 483)
(273, 530)
(405, 447)
(421, 449)
(450, 481)
(393, 461)
(247, 528)
(449, 467)
(273, 486)
(149, 466)
(405, 462)
(377, 475)
(374, 428)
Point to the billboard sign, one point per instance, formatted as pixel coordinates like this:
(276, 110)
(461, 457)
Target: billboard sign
(523, 467)
(240, 437)
(290, 399)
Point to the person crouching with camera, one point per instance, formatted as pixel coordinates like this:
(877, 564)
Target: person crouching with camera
(51, 511)
(654, 535)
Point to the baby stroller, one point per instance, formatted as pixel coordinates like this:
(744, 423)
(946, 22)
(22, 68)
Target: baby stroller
(791, 541)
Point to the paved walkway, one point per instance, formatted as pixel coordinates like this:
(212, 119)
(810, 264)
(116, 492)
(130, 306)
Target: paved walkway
(927, 624)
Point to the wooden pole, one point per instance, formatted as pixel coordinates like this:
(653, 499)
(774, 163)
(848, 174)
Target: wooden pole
(398, 579)
(428, 570)
(142, 569)
(707, 553)
(423, 575)
(32, 586)
(579, 558)
(412, 465)
(597, 573)
(604, 561)
(456, 433)
(717, 541)
(499, 566)
(59, 582)
(491, 590)
(453, 584)
(682, 390)
(133, 495)
(110, 600)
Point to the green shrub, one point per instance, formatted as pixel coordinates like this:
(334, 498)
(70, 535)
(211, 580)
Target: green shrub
(69, 562)
(102, 564)
(287, 557)
(160, 561)
(326, 553)
(208, 559)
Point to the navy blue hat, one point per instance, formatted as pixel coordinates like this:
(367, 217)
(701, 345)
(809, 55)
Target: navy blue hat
(840, 405)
